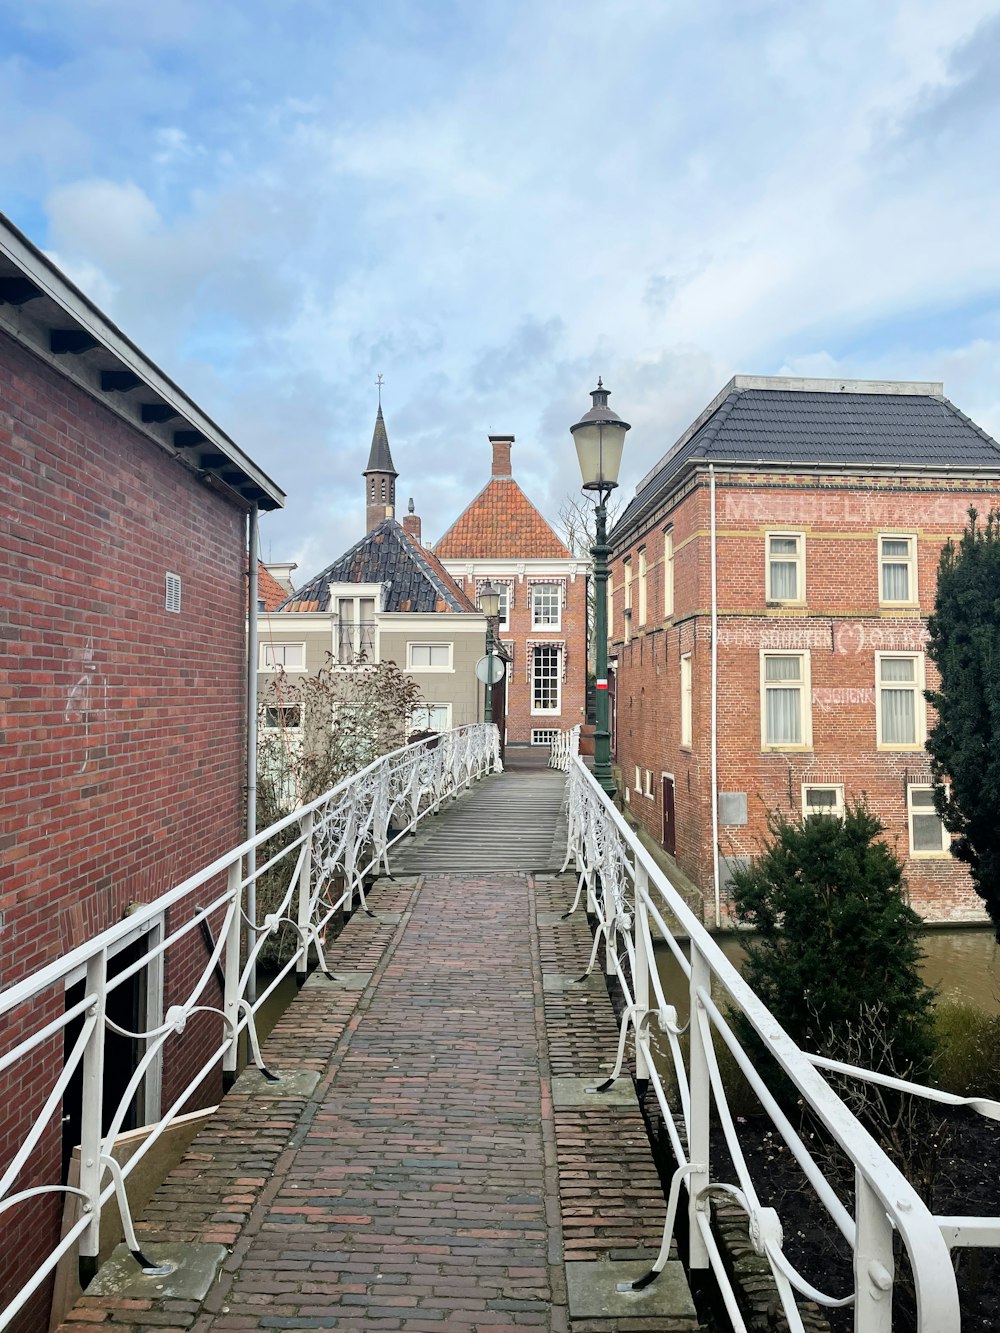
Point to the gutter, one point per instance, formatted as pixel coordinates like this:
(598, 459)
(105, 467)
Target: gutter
(715, 702)
(253, 545)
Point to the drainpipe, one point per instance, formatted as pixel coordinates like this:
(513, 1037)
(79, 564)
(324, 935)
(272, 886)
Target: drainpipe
(715, 705)
(251, 901)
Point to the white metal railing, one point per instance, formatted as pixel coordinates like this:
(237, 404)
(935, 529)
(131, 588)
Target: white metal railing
(325, 849)
(630, 897)
(565, 748)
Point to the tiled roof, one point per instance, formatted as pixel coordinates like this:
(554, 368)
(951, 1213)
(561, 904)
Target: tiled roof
(380, 459)
(414, 579)
(815, 428)
(501, 524)
(269, 590)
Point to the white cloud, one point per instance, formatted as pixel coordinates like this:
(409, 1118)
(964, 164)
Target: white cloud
(494, 205)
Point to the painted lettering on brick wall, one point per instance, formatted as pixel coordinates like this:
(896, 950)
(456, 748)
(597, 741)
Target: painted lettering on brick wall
(841, 510)
(827, 699)
(850, 636)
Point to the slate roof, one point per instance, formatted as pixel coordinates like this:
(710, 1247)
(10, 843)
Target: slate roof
(785, 426)
(269, 590)
(414, 579)
(501, 523)
(379, 458)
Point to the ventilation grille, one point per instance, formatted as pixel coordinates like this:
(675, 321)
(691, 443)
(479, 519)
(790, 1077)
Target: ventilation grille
(173, 592)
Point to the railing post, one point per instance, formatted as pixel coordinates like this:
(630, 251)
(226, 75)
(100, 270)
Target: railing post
(304, 911)
(701, 1107)
(873, 1262)
(643, 963)
(231, 999)
(92, 1117)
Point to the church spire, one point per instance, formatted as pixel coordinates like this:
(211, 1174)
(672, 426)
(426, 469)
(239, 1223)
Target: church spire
(380, 475)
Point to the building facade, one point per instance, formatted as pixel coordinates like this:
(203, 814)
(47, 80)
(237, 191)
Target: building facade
(502, 538)
(123, 677)
(805, 519)
(386, 599)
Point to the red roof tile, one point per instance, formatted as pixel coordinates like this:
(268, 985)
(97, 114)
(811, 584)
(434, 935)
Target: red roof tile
(501, 524)
(269, 590)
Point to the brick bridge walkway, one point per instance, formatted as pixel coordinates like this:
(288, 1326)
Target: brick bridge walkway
(428, 1181)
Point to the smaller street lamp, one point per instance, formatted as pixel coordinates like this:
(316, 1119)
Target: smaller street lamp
(489, 604)
(599, 437)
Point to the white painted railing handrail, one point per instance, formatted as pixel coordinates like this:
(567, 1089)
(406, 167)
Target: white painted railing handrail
(323, 853)
(565, 748)
(628, 893)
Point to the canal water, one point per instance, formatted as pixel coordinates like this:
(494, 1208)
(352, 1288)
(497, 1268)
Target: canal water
(963, 964)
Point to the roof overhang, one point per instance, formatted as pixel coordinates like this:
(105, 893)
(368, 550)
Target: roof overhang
(45, 312)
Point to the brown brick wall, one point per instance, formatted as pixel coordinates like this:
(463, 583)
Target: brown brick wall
(572, 632)
(841, 624)
(123, 723)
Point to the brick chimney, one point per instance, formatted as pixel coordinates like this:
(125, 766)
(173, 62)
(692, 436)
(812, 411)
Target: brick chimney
(411, 523)
(501, 454)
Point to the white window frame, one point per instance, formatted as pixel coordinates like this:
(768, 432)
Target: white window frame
(910, 562)
(668, 572)
(282, 725)
(266, 648)
(546, 625)
(544, 735)
(547, 712)
(429, 643)
(627, 598)
(799, 560)
(804, 685)
(919, 703)
(838, 806)
(506, 596)
(425, 708)
(638, 780)
(927, 854)
(687, 701)
(642, 571)
(648, 790)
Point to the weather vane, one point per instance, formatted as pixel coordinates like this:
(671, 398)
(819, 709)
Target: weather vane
(379, 383)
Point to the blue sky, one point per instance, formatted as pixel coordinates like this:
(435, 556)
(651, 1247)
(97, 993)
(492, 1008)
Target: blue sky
(491, 203)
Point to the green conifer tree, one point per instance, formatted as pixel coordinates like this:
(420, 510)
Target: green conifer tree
(835, 940)
(964, 743)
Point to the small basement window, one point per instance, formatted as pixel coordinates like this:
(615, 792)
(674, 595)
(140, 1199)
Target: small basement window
(544, 735)
(172, 599)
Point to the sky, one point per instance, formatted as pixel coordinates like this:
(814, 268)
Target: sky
(492, 202)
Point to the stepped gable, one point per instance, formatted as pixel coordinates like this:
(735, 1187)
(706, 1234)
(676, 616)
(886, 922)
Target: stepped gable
(813, 423)
(501, 523)
(413, 578)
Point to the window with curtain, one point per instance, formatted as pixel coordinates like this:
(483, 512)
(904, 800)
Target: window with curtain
(545, 674)
(900, 698)
(928, 835)
(897, 572)
(546, 606)
(785, 582)
(784, 688)
(686, 700)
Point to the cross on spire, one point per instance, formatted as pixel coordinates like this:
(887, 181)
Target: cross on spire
(379, 383)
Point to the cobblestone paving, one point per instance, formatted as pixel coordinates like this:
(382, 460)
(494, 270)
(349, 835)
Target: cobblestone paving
(427, 1184)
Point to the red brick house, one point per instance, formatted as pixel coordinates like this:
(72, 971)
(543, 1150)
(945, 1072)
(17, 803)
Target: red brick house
(807, 518)
(502, 538)
(123, 674)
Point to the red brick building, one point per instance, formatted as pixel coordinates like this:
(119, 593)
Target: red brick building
(807, 517)
(502, 538)
(123, 676)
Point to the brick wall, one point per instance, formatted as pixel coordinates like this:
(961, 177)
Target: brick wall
(572, 632)
(123, 728)
(841, 625)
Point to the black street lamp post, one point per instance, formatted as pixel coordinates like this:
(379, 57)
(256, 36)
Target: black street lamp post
(489, 604)
(599, 437)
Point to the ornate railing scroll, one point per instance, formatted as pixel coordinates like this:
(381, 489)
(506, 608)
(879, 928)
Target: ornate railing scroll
(632, 900)
(565, 748)
(324, 852)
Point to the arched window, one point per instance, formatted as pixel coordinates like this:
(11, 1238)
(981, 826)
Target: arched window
(373, 490)
(383, 490)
